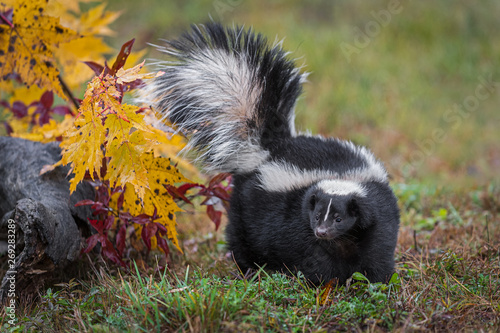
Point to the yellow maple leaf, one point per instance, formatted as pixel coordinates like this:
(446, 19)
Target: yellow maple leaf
(125, 147)
(25, 94)
(160, 172)
(64, 8)
(167, 210)
(128, 143)
(167, 218)
(26, 45)
(19, 125)
(96, 20)
(72, 54)
(81, 146)
(102, 95)
(48, 132)
(91, 47)
(170, 145)
(125, 164)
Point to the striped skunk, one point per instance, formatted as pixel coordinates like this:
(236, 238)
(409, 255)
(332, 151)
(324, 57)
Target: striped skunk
(305, 203)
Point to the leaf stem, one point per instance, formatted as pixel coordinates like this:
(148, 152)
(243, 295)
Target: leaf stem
(68, 92)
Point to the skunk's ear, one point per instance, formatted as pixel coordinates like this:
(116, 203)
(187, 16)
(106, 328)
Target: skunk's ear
(353, 207)
(312, 201)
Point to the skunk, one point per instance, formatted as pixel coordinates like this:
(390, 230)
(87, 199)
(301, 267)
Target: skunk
(321, 206)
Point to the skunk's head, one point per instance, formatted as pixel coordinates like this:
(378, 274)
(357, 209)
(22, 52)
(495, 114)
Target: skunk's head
(333, 207)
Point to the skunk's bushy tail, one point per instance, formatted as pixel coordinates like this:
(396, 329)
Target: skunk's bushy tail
(230, 92)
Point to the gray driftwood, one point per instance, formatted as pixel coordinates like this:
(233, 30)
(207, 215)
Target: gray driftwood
(50, 231)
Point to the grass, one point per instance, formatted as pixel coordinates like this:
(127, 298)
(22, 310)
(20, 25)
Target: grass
(447, 279)
(393, 96)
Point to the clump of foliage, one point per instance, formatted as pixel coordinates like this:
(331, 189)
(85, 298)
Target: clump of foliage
(48, 49)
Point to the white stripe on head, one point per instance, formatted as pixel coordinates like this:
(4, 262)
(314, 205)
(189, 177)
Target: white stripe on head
(282, 176)
(328, 210)
(341, 187)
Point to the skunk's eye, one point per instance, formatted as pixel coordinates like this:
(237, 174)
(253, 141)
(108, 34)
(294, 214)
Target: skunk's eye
(317, 216)
(338, 219)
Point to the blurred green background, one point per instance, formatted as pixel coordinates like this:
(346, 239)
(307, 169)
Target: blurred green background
(412, 80)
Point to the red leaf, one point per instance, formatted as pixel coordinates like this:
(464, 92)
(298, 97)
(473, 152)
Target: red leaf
(217, 179)
(108, 222)
(102, 195)
(109, 252)
(205, 191)
(47, 99)
(175, 193)
(120, 239)
(125, 216)
(98, 225)
(148, 231)
(91, 243)
(98, 211)
(84, 203)
(104, 170)
(141, 219)
(44, 117)
(162, 243)
(95, 67)
(185, 187)
(221, 193)
(62, 110)
(98, 206)
(121, 58)
(103, 238)
(214, 215)
(155, 215)
(119, 202)
(19, 109)
(132, 85)
(162, 228)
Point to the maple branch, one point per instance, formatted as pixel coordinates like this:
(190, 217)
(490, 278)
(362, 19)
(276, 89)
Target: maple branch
(68, 92)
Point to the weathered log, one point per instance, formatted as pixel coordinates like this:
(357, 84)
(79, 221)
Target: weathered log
(49, 229)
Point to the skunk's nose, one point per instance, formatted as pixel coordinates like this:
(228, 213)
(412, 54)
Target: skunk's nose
(321, 232)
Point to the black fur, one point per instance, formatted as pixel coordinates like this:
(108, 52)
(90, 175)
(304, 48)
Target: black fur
(315, 153)
(277, 230)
